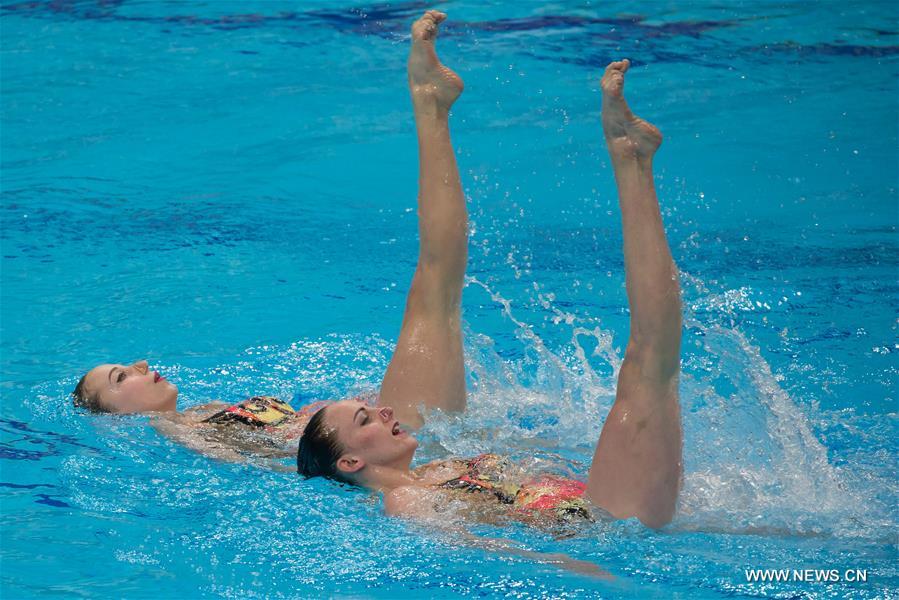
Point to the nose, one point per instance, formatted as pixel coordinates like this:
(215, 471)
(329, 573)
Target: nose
(385, 412)
(142, 366)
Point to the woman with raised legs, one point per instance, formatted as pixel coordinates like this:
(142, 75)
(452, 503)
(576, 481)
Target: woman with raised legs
(637, 465)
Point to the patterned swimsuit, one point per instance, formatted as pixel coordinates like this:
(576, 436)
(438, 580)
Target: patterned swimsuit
(267, 412)
(558, 496)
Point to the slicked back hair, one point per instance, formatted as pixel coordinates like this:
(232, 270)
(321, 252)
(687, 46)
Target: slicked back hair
(81, 399)
(319, 450)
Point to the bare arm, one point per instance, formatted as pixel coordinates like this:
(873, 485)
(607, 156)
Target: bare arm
(417, 504)
(560, 559)
(182, 432)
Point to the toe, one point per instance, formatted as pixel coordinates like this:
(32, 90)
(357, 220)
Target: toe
(618, 65)
(434, 16)
(425, 28)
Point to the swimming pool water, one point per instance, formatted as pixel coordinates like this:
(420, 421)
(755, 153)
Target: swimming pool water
(228, 189)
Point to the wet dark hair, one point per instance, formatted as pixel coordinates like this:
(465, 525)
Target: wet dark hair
(319, 450)
(81, 399)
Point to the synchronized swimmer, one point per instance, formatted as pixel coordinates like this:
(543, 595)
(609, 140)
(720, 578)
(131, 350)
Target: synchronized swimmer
(637, 465)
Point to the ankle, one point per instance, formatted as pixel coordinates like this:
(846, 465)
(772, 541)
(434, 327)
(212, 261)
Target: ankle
(631, 161)
(426, 105)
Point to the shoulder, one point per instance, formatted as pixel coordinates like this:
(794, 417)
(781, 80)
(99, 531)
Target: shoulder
(217, 405)
(409, 501)
(196, 414)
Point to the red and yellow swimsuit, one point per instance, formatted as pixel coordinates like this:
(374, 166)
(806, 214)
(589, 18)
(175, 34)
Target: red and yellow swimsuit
(557, 495)
(269, 413)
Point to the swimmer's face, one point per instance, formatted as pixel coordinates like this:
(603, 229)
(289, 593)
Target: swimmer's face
(370, 436)
(131, 388)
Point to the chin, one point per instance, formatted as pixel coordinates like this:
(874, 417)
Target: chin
(171, 404)
(412, 446)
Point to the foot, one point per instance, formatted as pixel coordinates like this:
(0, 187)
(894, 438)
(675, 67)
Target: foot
(429, 80)
(627, 136)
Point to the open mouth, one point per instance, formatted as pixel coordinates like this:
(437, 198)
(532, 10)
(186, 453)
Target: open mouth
(396, 429)
(157, 377)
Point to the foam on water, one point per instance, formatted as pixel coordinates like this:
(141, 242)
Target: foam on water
(752, 461)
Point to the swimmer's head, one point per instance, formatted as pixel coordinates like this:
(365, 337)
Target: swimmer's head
(351, 441)
(125, 389)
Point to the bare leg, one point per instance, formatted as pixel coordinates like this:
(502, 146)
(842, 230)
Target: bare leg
(427, 368)
(637, 465)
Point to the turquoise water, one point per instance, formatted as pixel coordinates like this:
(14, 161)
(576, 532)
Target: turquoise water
(227, 189)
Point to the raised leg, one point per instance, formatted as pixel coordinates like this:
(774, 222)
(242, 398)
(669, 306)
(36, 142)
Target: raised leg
(637, 465)
(427, 368)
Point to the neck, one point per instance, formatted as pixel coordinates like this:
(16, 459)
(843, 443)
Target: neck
(384, 479)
